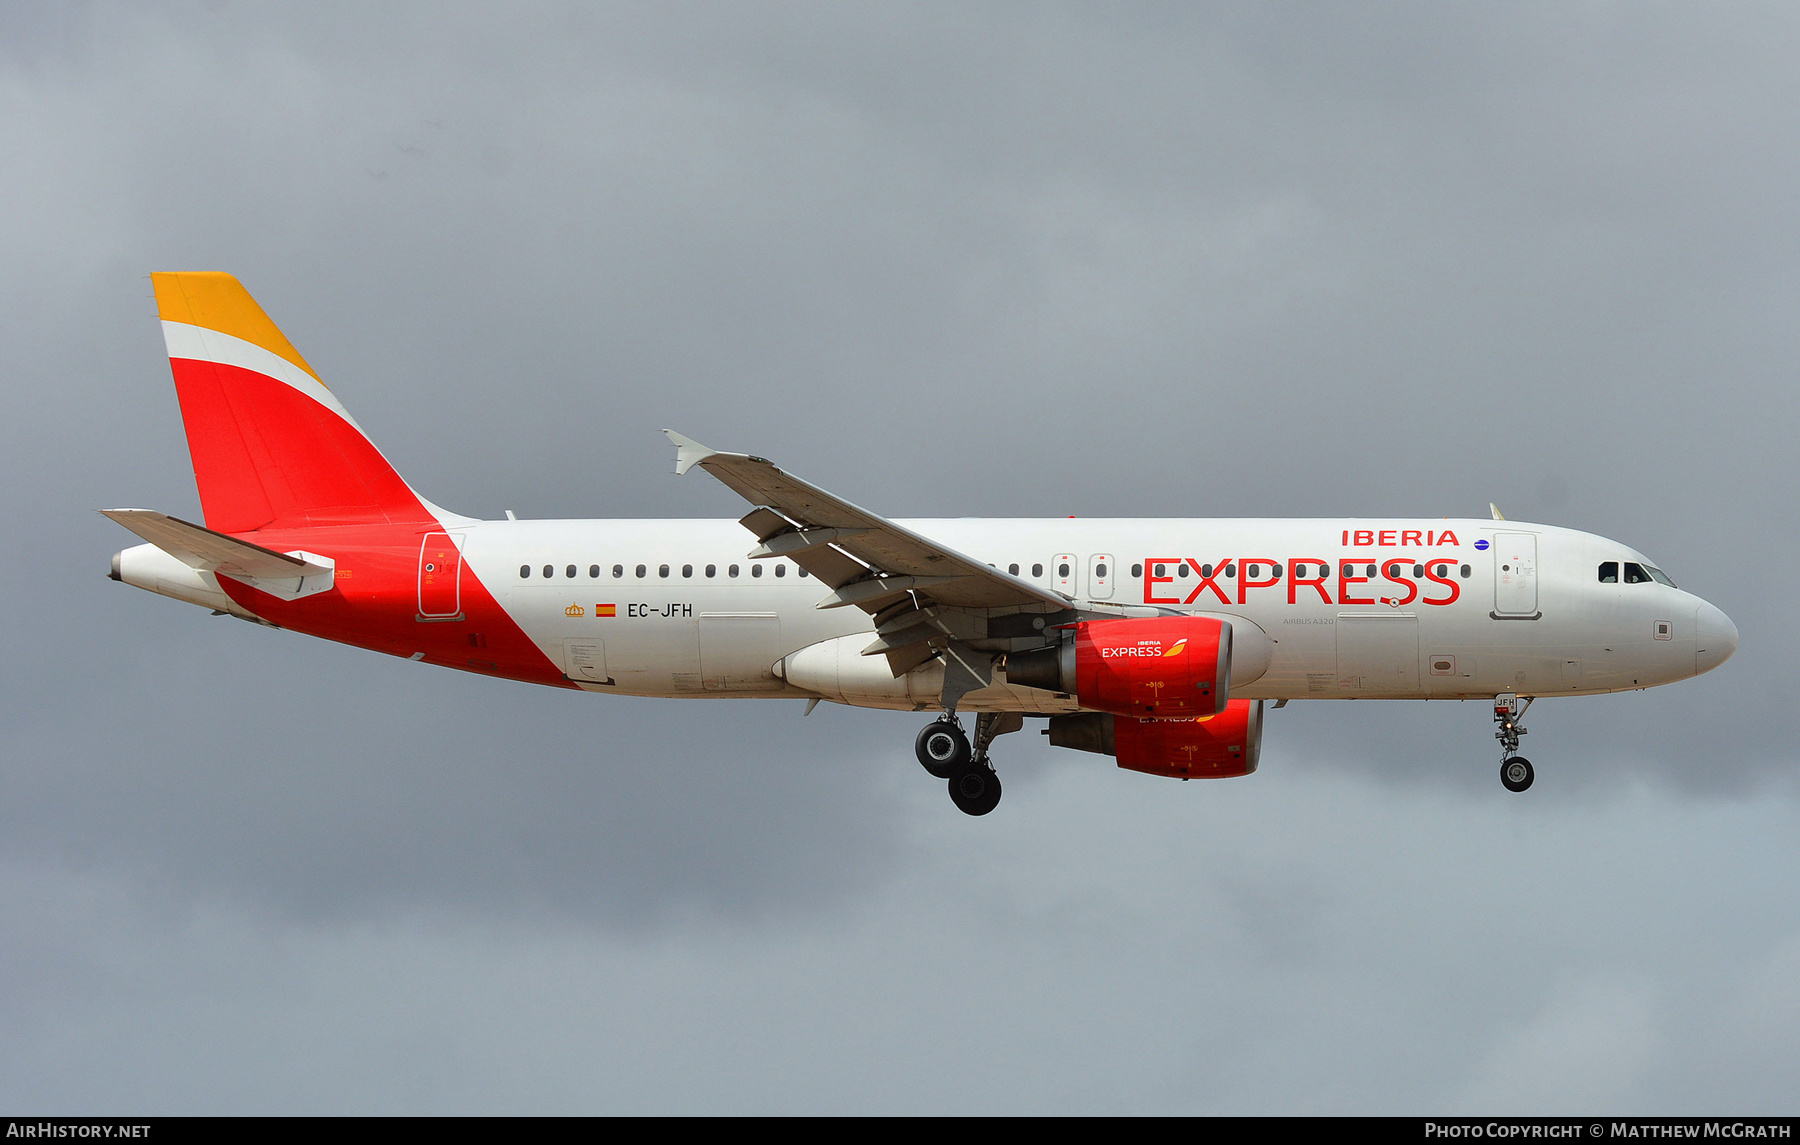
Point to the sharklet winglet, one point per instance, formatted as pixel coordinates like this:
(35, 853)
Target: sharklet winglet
(688, 452)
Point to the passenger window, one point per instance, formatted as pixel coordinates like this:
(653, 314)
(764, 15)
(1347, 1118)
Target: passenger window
(593, 572)
(1157, 570)
(1635, 574)
(1253, 571)
(662, 570)
(1181, 570)
(687, 570)
(1349, 571)
(1100, 570)
(640, 572)
(618, 571)
(524, 572)
(1371, 571)
(1137, 570)
(732, 571)
(1037, 570)
(780, 570)
(1418, 570)
(712, 571)
(755, 570)
(1465, 572)
(1062, 570)
(1230, 570)
(549, 571)
(569, 572)
(1012, 570)
(1206, 570)
(1609, 572)
(1441, 569)
(803, 572)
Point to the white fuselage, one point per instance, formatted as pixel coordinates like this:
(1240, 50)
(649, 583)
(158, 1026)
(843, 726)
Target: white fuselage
(1429, 609)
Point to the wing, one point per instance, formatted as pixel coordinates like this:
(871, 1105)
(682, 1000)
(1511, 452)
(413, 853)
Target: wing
(924, 596)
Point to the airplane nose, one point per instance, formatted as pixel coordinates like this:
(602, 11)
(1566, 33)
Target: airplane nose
(1716, 638)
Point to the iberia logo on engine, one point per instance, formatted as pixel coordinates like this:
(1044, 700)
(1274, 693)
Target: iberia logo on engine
(1148, 649)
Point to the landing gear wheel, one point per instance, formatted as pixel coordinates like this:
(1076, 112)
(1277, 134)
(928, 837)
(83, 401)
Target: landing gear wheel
(1516, 773)
(975, 789)
(942, 748)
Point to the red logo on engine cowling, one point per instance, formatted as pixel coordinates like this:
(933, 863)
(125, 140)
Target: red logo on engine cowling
(1168, 667)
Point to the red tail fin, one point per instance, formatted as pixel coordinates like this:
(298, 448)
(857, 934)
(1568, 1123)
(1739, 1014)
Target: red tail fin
(271, 446)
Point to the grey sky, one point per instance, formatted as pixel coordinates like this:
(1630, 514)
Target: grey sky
(945, 260)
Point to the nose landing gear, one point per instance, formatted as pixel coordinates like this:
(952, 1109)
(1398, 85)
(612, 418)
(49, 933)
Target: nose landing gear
(944, 751)
(1516, 772)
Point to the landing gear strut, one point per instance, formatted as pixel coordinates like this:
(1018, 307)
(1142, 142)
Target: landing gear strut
(1509, 712)
(944, 751)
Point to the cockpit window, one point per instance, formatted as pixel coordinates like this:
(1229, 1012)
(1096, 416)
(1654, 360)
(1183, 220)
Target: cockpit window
(1659, 576)
(1635, 574)
(1609, 572)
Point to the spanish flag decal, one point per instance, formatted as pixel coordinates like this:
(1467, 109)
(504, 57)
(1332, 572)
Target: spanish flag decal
(605, 610)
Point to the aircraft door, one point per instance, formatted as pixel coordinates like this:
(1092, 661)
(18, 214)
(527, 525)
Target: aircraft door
(1515, 575)
(440, 577)
(1100, 576)
(1062, 573)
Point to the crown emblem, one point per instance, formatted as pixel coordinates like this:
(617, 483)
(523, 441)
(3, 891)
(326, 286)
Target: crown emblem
(574, 610)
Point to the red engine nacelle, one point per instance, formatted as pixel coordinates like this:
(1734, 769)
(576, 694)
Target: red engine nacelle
(1219, 747)
(1157, 667)
(1215, 747)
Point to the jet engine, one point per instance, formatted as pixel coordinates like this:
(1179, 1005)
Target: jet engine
(1214, 747)
(1161, 667)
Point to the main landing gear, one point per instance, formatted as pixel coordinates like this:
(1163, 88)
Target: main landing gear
(944, 750)
(1509, 712)
(942, 747)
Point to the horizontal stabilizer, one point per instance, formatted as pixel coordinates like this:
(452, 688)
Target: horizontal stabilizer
(201, 548)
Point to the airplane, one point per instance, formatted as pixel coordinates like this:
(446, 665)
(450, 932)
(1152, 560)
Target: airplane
(1155, 642)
